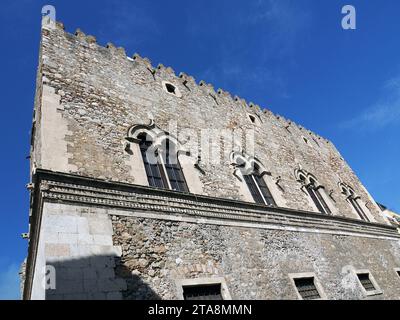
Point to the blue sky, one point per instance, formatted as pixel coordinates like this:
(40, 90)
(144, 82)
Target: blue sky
(292, 57)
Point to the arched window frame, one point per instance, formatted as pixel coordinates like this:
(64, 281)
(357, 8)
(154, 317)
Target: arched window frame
(159, 168)
(355, 202)
(260, 187)
(315, 192)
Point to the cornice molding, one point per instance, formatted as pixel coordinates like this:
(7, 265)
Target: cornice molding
(151, 203)
(58, 187)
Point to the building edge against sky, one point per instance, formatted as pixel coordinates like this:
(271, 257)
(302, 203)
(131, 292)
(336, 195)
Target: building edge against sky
(299, 219)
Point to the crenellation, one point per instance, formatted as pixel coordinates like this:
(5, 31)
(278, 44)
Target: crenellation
(80, 34)
(255, 107)
(111, 46)
(245, 104)
(228, 100)
(91, 39)
(145, 61)
(188, 81)
(282, 120)
(116, 51)
(165, 72)
(208, 88)
(60, 25)
(267, 112)
(171, 71)
(225, 94)
(121, 51)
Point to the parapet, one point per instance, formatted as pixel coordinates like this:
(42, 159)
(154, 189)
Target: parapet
(185, 79)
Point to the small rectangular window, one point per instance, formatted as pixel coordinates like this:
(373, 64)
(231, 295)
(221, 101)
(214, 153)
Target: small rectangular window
(366, 281)
(203, 292)
(307, 289)
(398, 273)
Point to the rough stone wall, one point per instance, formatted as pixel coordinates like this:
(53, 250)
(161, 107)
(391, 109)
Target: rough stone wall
(98, 93)
(255, 263)
(87, 98)
(102, 252)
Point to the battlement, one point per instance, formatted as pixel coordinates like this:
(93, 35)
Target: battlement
(188, 81)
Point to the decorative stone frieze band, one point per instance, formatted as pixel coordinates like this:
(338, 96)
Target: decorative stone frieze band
(172, 205)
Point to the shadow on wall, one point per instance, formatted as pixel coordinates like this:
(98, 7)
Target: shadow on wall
(95, 278)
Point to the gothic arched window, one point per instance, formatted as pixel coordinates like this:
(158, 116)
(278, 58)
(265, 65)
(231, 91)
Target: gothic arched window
(162, 166)
(258, 188)
(313, 190)
(255, 181)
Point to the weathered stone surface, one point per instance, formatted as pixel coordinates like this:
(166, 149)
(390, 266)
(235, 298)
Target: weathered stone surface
(113, 240)
(255, 263)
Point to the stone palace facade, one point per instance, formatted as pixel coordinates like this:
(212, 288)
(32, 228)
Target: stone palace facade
(149, 185)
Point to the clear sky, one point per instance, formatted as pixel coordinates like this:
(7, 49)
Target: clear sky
(292, 57)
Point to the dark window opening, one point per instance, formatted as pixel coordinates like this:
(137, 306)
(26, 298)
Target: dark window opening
(170, 88)
(366, 281)
(154, 174)
(252, 118)
(302, 178)
(253, 189)
(161, 175)
(259, 189)
(317, 198)
(203, 292)
(307, 289)
(174, 170)
(398, 273)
